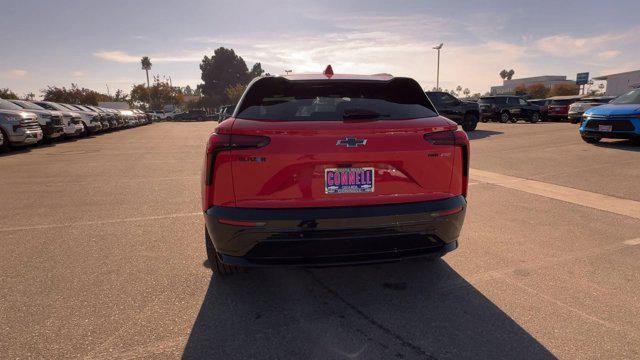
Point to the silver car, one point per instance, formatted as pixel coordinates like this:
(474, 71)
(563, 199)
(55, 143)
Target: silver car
(19, 128)
(71, 120)
(50, 121)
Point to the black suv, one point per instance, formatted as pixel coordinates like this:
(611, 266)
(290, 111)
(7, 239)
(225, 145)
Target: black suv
(464, 113)
(191, 115)
(505, 108)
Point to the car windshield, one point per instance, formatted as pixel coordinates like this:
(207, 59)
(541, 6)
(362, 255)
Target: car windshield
(632, 97)
(314, 100)
(8, 105)
(28, 105)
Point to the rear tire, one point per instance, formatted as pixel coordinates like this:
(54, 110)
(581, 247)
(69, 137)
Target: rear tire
(215, 260)
(5, 143)
(535, 117)
(590, 140)
(505, 117)
(470, 122)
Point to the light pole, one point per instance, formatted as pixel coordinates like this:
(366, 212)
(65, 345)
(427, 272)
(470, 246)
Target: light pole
(438, 69)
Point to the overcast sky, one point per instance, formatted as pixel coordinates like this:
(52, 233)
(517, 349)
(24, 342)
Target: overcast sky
(94, 43)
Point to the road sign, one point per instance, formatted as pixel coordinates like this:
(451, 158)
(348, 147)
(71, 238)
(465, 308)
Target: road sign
(582, 78)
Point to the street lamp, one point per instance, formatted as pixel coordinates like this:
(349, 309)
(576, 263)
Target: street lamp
(438, 71)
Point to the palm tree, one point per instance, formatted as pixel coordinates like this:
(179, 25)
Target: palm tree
(458, 89)
(146, 66)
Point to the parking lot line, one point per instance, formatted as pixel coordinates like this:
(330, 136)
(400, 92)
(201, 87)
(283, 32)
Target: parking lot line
(593, 200)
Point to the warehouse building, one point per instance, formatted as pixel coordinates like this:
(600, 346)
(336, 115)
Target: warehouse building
(620, 83)
(508, 87)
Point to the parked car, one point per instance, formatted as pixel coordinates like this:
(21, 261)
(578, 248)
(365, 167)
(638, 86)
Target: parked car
(225, 111)
(18, 127)
(92, 120)
(619, 119)
(505, 108)
(193, 114)
(579, 107)
(464, 113)
(130, 118)
(559, 106)
(544, 107)
(71, 120)
(316, 170)
(50, 121)
(106, 116)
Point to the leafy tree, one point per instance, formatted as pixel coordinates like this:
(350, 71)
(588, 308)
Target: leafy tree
(458, 89)
(564, 89)
(520, 90)
(223, 70)
(160, 94)
(234, 93)
(120, 96)
(537, 91)
(256, 70)
(187, 90)
(73, 95)
(466, 92)
(29, 96)
(146, 66)
(8, 94)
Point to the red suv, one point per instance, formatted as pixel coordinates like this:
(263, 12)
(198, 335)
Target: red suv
(323, 169)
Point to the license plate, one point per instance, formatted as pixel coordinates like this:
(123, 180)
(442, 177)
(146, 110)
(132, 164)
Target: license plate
(348, 180)
(605, 127)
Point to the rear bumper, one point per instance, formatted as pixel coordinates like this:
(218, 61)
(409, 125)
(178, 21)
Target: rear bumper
(338, 235)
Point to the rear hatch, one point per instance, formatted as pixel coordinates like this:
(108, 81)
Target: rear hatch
(339, 143)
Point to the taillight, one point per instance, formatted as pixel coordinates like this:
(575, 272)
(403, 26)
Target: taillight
(222, 142)
(457, 138)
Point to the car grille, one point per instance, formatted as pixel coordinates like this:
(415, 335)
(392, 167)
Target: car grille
(616, 125)
(30, 124)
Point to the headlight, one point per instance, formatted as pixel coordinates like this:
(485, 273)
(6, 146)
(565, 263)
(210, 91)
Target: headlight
(14, 119)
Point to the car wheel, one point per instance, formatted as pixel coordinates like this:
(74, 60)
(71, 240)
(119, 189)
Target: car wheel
(215, 261)
(169, 118)
(484, 119)
(200, 118)
(505, 116)
(5, 142)
(574, 121)
(535, 117)
(470, 122)
(85, 130)
(591, 140)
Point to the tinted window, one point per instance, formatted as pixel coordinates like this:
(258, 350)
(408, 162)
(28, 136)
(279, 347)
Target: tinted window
(523, 102)
(8, 105)
(27, 105)
(493, 100)
(632, 97)
(281, 99)
(562, 102)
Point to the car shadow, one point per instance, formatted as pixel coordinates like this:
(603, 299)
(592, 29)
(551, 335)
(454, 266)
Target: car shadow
(405, 310)
(481, 134)
(627, 145)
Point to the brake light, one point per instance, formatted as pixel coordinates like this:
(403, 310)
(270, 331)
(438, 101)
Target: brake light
(222, 142)
(457, 138)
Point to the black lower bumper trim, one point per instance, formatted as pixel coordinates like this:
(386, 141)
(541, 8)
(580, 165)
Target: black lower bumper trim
(337, 235)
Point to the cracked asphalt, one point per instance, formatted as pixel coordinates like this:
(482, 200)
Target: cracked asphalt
(102, 257)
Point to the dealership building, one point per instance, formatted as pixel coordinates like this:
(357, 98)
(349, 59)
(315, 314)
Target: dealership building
(620, 83)
(508, 87)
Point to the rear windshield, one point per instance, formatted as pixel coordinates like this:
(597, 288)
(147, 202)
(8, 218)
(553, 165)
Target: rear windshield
(281, 99)
(492, 100)
(562, 102)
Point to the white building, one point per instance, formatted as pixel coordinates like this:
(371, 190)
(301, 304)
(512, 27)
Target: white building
(620, 83)
(508, 87)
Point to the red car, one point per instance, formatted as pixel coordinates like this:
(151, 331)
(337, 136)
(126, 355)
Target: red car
(323, 169)
(559, 106)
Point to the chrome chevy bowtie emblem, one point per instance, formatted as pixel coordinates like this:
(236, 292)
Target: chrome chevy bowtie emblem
(352, 142)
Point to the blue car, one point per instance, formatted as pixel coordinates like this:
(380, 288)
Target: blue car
(619, 119)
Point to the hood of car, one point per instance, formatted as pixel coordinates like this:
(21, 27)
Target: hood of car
(614, 110)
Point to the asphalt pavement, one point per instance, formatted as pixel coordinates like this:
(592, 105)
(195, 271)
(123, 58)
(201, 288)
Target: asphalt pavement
(102, 256)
